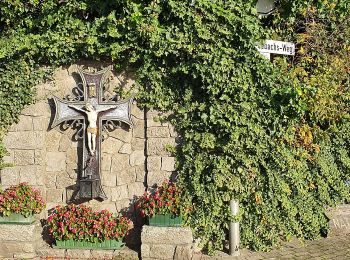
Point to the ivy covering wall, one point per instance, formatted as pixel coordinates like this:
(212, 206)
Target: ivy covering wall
(274, 135)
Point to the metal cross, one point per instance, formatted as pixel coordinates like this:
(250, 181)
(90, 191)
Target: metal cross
(93, 115)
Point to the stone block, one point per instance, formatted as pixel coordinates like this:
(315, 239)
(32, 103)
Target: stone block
(154, 163)
(50, 253)
(10, 176)
(49, 180)
(123, 205)
(52, 140)
(153, 119)
(55, 161)
(136, 189)
(65, 143)
(172, 131)
(158, 132)
(339, 220)
(163, 251)
(40, 108)
(78, 254)
(126, 177)
(137, 112)
(40, 123)
(54, 195)
(24, 157)
(109, 179)
(24, 140)
(145, 250)
(168, 164)
(39, 157)
(106, 162)
(11, 248)
(125, 149)
(21, 233)
(157, 146)
(140, 173)
(63, 180)
(125, 254)
(72, 155)
(25, 123)
(138, 130)
(30, 174)
(102, 254)
(123, 134)
(120, 162)
(119, 192)
(183, 252)
(111, 145)
(166, 235)
(157, 177)
(138, 144)
(137, 158)
(9, 158)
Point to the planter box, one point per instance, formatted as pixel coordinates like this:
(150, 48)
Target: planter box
(108, 244)
(16, 218)
(165, 221)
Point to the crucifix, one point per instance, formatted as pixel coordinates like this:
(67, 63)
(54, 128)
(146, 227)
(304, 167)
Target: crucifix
(93, 114)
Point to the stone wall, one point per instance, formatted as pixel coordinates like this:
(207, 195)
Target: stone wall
(132, 159)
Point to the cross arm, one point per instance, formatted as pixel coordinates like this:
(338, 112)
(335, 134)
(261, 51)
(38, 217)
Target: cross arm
(64, 112)
(119, 111)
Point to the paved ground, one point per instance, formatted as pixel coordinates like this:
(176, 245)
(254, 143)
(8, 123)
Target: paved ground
(337, 248)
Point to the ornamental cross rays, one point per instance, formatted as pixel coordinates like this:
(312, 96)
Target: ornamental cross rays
(93, 115)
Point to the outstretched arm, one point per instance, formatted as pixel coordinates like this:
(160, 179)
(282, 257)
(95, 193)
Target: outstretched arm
(76, 108)
(106, 109)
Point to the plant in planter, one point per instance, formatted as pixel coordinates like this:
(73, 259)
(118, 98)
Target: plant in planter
(75, 226)
(162, 207)
(19, 203)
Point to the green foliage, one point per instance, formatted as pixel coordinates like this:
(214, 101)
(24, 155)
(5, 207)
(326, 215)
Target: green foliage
(273, 135)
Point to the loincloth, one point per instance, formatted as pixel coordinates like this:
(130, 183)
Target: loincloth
(92, 130)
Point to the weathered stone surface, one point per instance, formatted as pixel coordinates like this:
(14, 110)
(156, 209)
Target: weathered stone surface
(140, 173)
(63, 180)
(20, 233)
(138, 144)
(78, 254)
(52, 140)
(136, 189)
(54, 195)
(162, 251)
(157, 177)
(25, 123)
(106, 162)
(55, 161)
(154, 163)
(65, 143)
(120, 162)
(145, 250)
(166, 235)
(168, 164)
(10, 248)
(72, 155)
(111, 145)
(123, 134)
(137, 158)
(126, 176)
(109, 179)
(125, 149)
(123, 205)
(39, 157)
(153, 119)
(47, 253)
(125, 254)
(102, 254)
(30, 174)
(183, 252)
(24, 140)
(49, 180)
(119, 192)
(339, 222)
(138, 130)
(10, 176)
(24, 157)
(158, 132)
(10, 158)
(137, 112)
(172, 131)
(40, 123)
(156, 146)
(38, 109)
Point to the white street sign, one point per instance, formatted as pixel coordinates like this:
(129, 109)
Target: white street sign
(277, 47)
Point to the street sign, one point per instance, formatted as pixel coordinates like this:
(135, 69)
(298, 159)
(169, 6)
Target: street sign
(277, 47)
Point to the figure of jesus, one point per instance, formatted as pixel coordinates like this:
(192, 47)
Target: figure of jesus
(91, 130)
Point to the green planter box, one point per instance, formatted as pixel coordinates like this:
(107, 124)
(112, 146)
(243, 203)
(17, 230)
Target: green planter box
(16, 218)
(108, 244)
(165, 221)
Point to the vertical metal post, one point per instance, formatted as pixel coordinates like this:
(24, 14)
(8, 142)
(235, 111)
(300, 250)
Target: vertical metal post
(234, 230)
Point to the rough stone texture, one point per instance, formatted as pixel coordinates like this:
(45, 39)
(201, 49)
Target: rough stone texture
(339, 220)
(166, 243)
(78, 254)
(157, 177)
(56, 161)
(168, 164)
(137, 158)
(24, 157)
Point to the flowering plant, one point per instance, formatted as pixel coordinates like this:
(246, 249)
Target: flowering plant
(21, 199)
(82, 224)
(164, 200)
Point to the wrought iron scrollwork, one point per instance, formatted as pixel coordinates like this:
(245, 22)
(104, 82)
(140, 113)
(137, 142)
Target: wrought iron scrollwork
(76, 124)
(109, 126)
